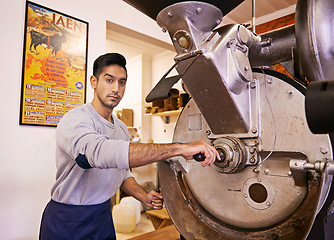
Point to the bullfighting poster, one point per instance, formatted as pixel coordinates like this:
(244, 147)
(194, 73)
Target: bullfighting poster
(54, 65)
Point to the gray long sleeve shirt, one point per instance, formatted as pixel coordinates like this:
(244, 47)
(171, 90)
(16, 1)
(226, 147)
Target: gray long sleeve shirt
(103, 145)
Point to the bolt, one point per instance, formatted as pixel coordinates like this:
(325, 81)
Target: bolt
(208, 132)
(246, 196)
(259, 179)
(289, 173)
(268, 204)
(266, 171)
(324, 150)
(256, 170)
(252, 85)
(170, 14)
(289, 91)
(218, 21)
(164, 30)
(252, 160)
(252, 150)
(198, 10)
(254, 130)
(246, 68)
(270, 81)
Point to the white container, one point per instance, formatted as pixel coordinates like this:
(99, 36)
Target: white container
(124, 217)
(133, 202)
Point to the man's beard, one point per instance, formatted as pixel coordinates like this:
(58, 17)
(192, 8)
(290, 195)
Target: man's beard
(108, 105)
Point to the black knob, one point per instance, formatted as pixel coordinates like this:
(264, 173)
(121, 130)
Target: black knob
(199, 157)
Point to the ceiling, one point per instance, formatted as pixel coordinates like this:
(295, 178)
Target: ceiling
(131, 43)
(265, 10)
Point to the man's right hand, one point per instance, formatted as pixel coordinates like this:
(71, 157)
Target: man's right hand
(190, 149)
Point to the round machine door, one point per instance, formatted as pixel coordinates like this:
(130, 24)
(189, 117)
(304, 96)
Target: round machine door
(252, 193)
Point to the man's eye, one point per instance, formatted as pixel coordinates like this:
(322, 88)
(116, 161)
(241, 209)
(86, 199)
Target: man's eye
(109, 80)
(123, 82)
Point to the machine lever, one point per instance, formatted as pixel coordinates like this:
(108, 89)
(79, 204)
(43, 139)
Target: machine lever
(199, 157)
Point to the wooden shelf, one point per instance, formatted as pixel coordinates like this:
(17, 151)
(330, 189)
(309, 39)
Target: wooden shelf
(165, 114)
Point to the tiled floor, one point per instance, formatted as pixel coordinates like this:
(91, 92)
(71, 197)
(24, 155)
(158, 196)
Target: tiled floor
(143, 226)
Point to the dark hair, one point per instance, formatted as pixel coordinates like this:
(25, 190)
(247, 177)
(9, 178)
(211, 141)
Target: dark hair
(107, 60)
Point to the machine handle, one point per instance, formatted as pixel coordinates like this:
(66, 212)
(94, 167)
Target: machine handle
(199, 157)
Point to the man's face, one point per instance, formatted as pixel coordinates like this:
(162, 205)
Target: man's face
(110, 86)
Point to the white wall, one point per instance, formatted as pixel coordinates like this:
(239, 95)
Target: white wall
(137, 87)
(162, 132)
(27, 169)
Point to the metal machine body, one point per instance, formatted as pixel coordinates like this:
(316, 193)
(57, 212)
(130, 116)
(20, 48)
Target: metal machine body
(276, 174)
(264, 198)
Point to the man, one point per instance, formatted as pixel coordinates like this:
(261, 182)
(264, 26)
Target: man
(93, 157)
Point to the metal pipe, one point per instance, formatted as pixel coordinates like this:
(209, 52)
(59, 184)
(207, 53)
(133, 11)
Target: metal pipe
(274, 47)
(253, 16)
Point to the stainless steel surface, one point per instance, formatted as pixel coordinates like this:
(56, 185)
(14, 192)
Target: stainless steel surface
(257, 120)
(318, 166)
(314, 32)
(275, 47)
(235, 155)
(222, 55)
(228, 199)
(276, 174)
(193, 21)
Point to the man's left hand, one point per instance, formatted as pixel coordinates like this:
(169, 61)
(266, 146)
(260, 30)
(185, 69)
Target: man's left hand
(154, 200)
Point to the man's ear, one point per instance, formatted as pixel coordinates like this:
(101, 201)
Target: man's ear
(93, 81)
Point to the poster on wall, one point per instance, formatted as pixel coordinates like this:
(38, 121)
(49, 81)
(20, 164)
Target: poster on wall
(54, 65)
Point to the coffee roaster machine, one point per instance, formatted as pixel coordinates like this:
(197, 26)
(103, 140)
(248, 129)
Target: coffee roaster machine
(274, 179)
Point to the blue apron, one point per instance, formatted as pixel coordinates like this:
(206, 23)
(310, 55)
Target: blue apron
(73, 222)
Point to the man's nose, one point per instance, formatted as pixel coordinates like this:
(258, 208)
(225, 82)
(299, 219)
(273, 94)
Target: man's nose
(115, 87)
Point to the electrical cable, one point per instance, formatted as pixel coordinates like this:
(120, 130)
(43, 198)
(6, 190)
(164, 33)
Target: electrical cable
(274, 122)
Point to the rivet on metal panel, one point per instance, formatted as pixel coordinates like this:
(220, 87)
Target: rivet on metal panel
(324, 150)
(252, 150)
